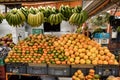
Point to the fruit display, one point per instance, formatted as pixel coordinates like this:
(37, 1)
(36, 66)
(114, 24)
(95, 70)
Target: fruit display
(79, 16)
(35, 18)
(7, 41)
(15, 18)
(66, 11)
(82, 50)
(37, 49)
(1, 18)
(78, 75)
(66, 49)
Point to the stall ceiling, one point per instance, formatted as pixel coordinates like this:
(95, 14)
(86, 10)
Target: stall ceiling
(93, 4)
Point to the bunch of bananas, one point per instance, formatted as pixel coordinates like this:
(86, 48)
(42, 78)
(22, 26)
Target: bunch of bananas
(24, 10)
(79, 17)
(55, 19)
(47, 11)
(66, 11)
(35, 18)
(1, 17)
(77, 9)
(15, 17)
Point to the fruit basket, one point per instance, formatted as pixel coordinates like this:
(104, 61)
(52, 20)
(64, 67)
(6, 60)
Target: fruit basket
(16, 67)
(33, 68)
(59, 70)
(84, 68)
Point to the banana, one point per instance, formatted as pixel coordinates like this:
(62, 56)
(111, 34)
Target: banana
(10, 20)
(42, 17)
(72, 18)
(16, 20)
(22, 16)
(59, 18)
(76, 19)
(37, 23)
(84, 16)
(56, 19)
(80, 19)
(30, 20)
(51, 19)
(34, 20)
(19, 19)
(39, 18)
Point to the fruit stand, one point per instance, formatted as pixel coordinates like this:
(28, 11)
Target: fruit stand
(54, 56)
(48, 52)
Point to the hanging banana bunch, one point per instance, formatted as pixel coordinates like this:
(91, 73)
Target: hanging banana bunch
(55, 18)
(78, 17)
(15, 18)
(66, 11)
(35, 17)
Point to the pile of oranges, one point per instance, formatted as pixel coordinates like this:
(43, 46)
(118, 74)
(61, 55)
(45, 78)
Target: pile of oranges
(66, 49)
(78, 75)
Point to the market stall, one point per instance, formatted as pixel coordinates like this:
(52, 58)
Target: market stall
(59, 40)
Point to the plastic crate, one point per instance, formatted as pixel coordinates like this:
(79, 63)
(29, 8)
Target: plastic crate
(16, 67)
(84, 68)
(48, 78)
(102, 35)
(106, 70)
(2, 72)
(59, 70)
(36, 68)
(23, 77)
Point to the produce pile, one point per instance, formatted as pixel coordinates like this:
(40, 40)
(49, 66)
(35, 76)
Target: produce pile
(78, 75)
(66, 49)
(7, 41)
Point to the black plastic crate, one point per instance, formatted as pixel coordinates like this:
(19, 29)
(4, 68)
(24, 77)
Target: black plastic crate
(48, 77)
(37, 68)
(59, 70)
(106, 70)
(84, 68)
(16, 67)
(22, 77)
